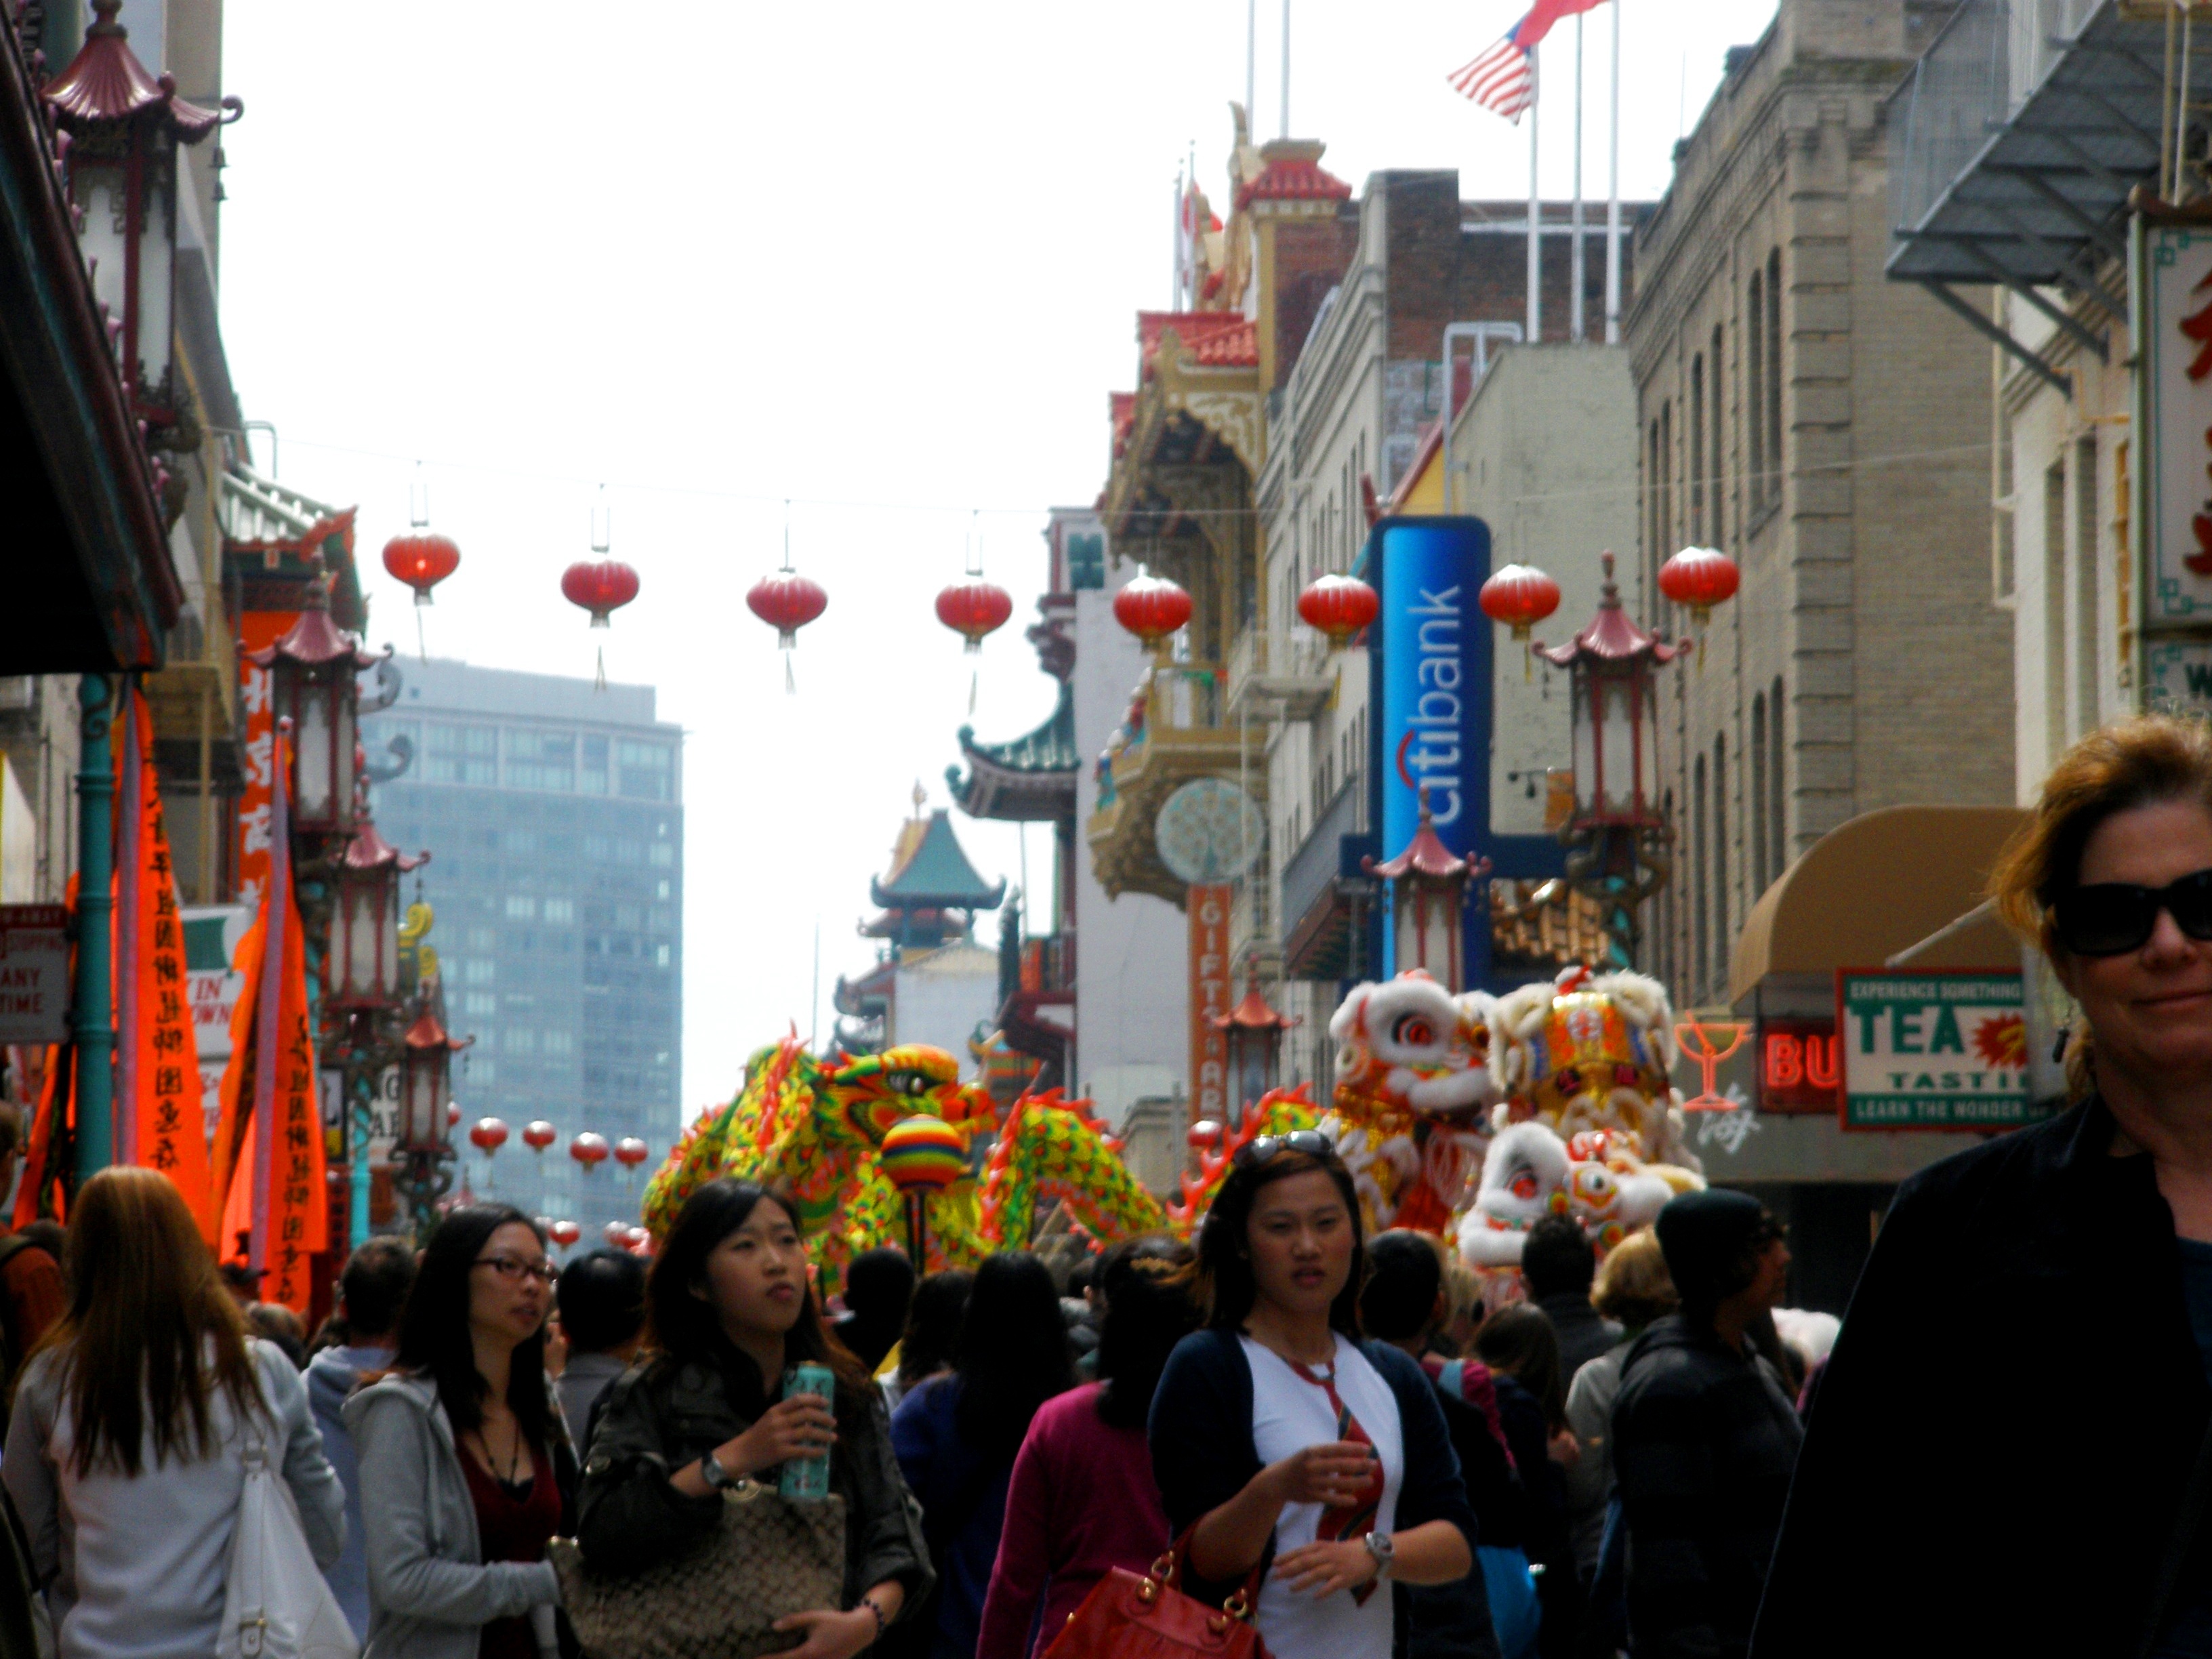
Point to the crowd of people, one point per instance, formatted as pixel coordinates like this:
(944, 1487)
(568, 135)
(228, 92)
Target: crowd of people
(1327, 1433)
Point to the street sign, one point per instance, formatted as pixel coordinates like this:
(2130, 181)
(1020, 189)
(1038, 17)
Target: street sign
(35, 990)
(1933, 1050)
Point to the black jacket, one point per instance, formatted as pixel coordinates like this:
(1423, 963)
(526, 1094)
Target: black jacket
(2007, 1421)
(1704, 1441)
(1584, 1333)
(660, 1416)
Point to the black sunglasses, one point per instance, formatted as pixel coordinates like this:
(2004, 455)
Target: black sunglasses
(2112, 918)
(1312, 1142)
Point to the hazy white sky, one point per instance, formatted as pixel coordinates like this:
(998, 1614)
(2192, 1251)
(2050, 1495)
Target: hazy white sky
(880, 259)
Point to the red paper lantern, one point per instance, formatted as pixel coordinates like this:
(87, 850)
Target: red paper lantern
(616, 1233)
(565, 1233)
(601, 586)
(489, 1135)
(630, 1152)
(787, 602)
(1700, 578)
(422, 560)
(1204, 1135)
(1519, 595)
(589, 1149)
(1153, 608)
(975, 608)
(539, 1134)
(452, 1113)
(1341, 607)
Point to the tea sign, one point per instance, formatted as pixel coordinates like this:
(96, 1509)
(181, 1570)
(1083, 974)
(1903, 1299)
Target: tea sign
(1933, 1050)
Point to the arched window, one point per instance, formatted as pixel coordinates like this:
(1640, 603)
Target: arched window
(1720, 866)
(1776, 825)
(1754, 385)
(1774, 457)
(1701, 954)
(1697, 448)
(1761, 865)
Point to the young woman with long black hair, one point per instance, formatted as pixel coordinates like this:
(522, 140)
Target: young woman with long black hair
(956, 1434)
(126, 1448)
(466, 1466)
(1082, 1501)
(1285, 1446)
(730, 1309)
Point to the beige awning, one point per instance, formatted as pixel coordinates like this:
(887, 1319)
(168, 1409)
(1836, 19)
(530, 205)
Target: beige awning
(1880, 885)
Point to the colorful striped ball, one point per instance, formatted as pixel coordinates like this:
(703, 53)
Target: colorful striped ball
(923, 1155)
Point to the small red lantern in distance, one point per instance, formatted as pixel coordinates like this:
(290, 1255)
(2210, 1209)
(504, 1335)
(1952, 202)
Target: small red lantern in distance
(565, 1233)
(452, 1113)
(1342, 607)
(422, 560)
(630, 1152)
(1700, 578)
(1519, 595)
(1204, 1135)
(601, 586)
(616, 1233)
(589, 1149)
(787, 602)
(974, 609)
(539, 1134)
(489, 1135)
(1153, 608)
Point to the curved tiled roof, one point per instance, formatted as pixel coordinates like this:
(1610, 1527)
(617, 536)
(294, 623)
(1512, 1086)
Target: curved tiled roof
(1294, 179)
(1214, 339)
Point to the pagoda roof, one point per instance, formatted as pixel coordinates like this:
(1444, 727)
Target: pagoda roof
(275, 528)
(106, 82)
(1252, 1014)
(1212, 339)
(1029, 778)
(368, 850)
(1427, 855)
(1611, 635)
(934, 873)
(1293, 173)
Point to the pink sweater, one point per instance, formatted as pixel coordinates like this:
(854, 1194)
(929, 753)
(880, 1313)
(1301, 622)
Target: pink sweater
(1082, 1503)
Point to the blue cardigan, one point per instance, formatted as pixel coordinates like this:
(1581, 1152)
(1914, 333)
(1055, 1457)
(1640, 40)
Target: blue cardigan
(1200, 1432)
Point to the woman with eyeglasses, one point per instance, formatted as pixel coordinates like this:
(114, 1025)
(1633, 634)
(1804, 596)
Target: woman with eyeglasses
(1288, 1452)
(466, 1468)
(1964, 1488)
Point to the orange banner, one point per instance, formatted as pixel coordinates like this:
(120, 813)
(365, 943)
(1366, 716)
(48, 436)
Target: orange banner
(158, 1120)
(1207, 912)
(257, 631)
(298, 1209)
(233, 1135)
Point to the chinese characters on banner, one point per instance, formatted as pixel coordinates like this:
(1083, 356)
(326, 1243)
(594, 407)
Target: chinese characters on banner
(1208, 915)
(257, 631)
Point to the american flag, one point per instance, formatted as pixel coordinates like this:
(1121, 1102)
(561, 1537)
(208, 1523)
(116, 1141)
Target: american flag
(1504, 78)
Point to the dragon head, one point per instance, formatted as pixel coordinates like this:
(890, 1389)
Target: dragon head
(1591, 1053)
(872, 1092)
(1408, 1045)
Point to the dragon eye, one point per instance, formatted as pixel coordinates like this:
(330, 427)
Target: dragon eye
(1523, 1184)
(1413, 1031)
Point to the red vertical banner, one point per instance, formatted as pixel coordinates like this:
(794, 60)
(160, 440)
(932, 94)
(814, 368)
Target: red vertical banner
(257, 631)
(1208, 916)
(298, 1211)
(159, 1121)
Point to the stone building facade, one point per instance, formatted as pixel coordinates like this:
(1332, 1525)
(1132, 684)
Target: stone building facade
(1829, 431)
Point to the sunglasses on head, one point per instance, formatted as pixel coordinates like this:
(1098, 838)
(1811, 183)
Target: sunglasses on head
(1312, 1142)
(2111, 917)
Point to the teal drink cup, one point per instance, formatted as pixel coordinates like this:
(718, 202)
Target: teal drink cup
(807, 1477)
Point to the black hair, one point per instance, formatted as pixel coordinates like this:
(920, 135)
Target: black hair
(1557, 1259)
(933, 1319)
(1012, 1355)
(879, 1286)
(372, 1286)
(1226, 1286)
(1404, 1278)
(433, 1330)
(1149, 1309)
(601, 1297)
(1521, 1342)
(1082, 1276)
(686, 1328)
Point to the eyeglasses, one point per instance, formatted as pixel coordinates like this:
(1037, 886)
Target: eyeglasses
(1312, 1142)
(514, 1270)
(2110, 918)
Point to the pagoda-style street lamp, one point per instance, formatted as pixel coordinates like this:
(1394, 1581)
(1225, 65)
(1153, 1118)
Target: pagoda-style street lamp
(363, 963)
(1429, 885)
(311, 672)
(1255, 1033)
(1617, 837)
(425, 1112)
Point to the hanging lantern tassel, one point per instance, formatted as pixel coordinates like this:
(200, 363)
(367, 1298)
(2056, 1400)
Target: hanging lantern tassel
(602, 587)
(975, 609)
(787, 602)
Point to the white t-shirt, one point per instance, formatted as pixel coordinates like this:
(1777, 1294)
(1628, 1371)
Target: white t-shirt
(1290, 1413)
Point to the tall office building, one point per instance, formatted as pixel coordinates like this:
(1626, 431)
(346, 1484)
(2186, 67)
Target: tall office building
(554, 816)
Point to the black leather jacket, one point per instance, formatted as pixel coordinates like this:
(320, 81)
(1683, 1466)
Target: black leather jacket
(661, 1415)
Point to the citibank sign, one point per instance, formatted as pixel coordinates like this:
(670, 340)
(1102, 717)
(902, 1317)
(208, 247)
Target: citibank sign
(1433, 695)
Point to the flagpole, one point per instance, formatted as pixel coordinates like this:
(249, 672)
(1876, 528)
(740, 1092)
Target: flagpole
(1286, 69)
(1536, 215)
(1251, 59)
(268, 1016)
(1613, 198)
(1575, 260)
(1175, 258)
(129, 882)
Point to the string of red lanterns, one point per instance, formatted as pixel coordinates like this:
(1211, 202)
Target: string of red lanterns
(1153, 608)
(539, 1134)
(589, 1149)
(1339, 607)
(1699, 578)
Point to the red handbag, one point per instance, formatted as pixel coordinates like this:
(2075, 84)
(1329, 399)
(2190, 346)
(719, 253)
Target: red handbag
(1132, 1616)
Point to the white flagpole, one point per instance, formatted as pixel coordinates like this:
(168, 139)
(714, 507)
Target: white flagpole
(1535, 213)
(1175, 262)
(1576, 261)
(1613, 198)
(1286, 69)
(1251, 58)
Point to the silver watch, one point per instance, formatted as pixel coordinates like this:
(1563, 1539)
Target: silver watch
(717, 1478)
(1385, 1549)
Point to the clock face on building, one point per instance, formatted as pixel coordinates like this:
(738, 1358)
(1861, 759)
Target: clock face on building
(1208, 831)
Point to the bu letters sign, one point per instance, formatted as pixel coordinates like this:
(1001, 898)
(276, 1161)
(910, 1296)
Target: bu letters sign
(34, 988)
(1933, 1050)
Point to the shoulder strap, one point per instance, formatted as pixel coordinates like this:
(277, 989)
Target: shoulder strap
(2175, 1556)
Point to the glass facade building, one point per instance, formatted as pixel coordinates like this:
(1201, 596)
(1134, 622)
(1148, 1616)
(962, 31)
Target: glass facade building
(554, 817)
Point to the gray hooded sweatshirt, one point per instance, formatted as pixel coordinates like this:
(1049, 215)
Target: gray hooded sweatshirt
(430, 1590)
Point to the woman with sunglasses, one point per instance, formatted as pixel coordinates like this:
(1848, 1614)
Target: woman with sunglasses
(466, 1468)
(1963, 1488)
(1288, 1452)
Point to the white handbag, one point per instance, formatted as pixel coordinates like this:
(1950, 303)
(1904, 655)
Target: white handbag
(276, 1604)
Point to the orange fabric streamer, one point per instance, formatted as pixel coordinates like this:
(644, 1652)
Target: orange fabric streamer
(298, 1201)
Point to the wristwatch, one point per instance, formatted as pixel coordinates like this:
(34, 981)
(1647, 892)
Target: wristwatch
(1385, 1549)
(717, 1478)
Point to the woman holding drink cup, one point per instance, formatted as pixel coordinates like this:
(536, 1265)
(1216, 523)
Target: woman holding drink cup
(731, 1314)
